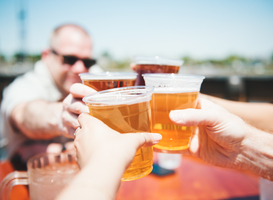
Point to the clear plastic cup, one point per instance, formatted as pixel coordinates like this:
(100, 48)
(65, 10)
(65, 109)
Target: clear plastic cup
(108, 80)
(155, 64)
(126, 110)
(172, 92)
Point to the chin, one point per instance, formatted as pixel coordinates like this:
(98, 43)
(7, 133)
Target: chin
(71, 81)
(67, 84)
(66, 87)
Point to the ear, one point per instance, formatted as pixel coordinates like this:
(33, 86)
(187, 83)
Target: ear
(45, 54)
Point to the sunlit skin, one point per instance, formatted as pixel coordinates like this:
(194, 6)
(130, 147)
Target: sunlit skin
(40, 119)
(69, 41)
(103, 155)
(225, 140)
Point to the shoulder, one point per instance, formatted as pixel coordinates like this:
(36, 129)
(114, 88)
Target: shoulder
(35, 84)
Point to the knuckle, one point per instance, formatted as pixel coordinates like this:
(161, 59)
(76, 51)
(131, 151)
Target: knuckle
(64, 116)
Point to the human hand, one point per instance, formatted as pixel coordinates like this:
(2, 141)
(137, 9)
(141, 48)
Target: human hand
(94, 138)
(72, 107)
(103, 155)
(219, 137)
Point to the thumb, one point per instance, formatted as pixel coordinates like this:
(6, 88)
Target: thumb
(145, 139)
(79, 90)
(195, 117)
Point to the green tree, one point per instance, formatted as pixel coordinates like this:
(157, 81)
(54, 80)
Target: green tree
(2, 58)
(19, 57)
(229, 60)
(107, 55)
(34, 57)
(188, 60)
(122, 65)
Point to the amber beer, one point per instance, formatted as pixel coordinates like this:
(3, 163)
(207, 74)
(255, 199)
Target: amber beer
(175, 137)
(172, 92)
(108, 80)
(126, 110)
(155, 64)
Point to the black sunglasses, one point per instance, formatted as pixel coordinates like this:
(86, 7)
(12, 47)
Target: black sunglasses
(70, 60)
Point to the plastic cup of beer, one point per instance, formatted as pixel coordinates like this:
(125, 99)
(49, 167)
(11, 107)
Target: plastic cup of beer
(155, 64)
(172, 92)
(126, 110)
(108, 80)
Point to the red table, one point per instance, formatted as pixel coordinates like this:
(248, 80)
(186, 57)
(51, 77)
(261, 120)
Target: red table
(18, 192)
(194, 179)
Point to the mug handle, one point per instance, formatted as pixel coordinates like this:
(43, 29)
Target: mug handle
(12, 179)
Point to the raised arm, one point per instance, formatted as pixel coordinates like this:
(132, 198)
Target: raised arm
(225, 140)
(103, 155)
(37, 119)
(259, 115)
(40, 119)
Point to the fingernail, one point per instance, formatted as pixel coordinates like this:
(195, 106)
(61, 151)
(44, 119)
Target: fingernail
(157, 137)
(175, 115)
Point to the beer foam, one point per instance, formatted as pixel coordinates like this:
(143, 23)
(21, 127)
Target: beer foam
(108, 76)
(173, 83)
(120, 96)
(156, 60)
(171, 90)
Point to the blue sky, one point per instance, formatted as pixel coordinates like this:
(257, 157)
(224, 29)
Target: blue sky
(174, 28)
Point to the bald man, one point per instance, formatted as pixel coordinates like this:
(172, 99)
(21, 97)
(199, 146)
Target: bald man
(32, 110)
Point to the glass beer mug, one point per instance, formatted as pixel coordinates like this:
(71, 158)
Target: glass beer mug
(47, 174)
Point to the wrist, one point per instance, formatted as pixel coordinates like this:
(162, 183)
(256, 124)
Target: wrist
(103, 156)
(101, 175)
(257, 153)
(55, 119)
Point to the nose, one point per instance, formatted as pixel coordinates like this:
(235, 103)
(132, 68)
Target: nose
(78, 67)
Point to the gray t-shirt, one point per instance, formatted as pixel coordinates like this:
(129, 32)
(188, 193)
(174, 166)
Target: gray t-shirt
(33, 85)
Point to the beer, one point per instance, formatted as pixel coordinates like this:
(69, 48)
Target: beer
(172, 92)
(175, 137)
(126, 110)
(100, 85)
(108, 80)
(53, 178)
(154, 64)
(47, 175)
(147, 68)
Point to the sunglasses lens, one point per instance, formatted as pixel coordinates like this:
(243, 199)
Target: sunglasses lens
(70, 60)
(88, 63)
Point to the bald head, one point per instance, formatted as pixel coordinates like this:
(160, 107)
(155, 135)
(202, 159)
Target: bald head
(62, 32)
(68, 40)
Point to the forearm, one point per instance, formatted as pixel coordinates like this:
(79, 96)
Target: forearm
(99, 179)
(259, 115)
(37, 119)
(257, 153)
